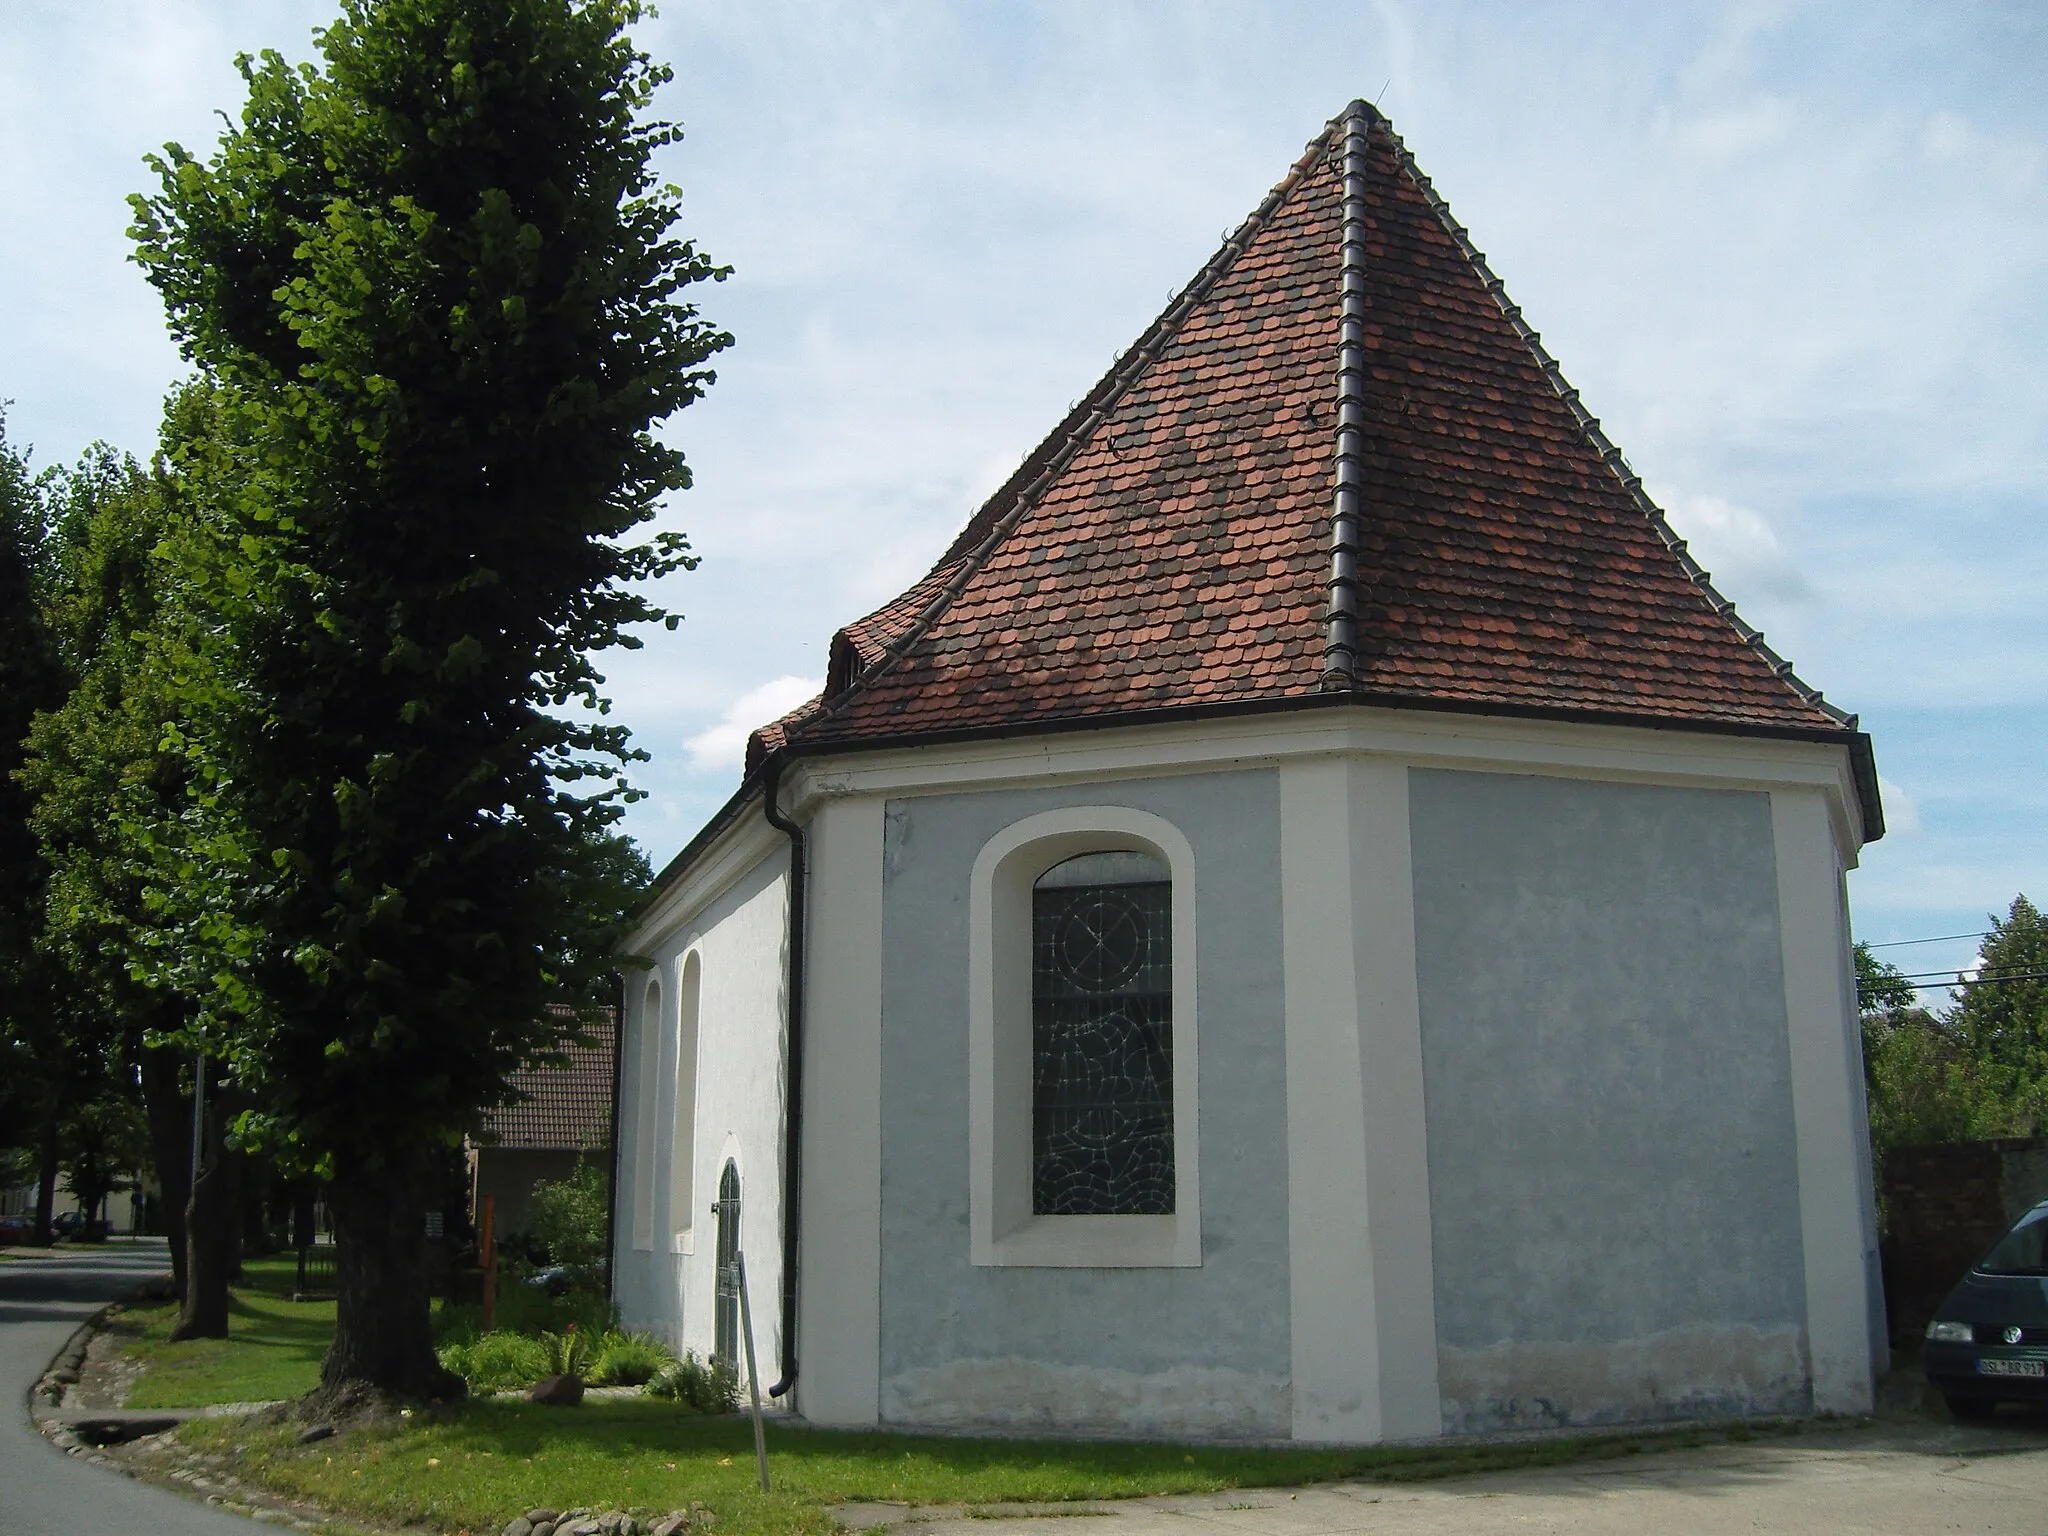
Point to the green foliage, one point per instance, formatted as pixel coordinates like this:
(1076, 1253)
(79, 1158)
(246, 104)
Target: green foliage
(104, 790)
(38, 1063)
(565, 1219)
(108, 780)
(630, 1360)
(1977, 1070)
(1880, 986)
(102, 1141)
(496, 1361)
(2004, 1018)
(568, 1352)
(527, 1309)
(709, 1386)
(1924, 1085)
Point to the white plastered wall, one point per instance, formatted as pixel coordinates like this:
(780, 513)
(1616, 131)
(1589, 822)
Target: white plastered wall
(736, 938)
(1361, 1283)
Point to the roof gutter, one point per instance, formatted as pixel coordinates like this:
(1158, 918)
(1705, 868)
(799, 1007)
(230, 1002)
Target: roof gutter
(792, 1152)
(611, 1194)
(1862, 759)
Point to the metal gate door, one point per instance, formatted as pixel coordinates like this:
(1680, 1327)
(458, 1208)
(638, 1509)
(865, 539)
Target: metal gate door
(726, 1316)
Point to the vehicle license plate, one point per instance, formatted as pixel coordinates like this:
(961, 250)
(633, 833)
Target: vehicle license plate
(2012, 1368)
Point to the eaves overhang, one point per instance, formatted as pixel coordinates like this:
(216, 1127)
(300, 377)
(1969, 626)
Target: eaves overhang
(1862, 755)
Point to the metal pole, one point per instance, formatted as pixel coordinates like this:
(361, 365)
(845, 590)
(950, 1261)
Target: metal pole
(198, 1114)
(753, 1377)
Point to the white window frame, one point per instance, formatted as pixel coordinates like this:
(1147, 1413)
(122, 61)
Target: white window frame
(1003, 1229)
(682, 1114)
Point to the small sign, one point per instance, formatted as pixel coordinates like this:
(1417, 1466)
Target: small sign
(2012, 1368)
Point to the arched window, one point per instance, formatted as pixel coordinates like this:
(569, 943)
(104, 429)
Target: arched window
(1083, 1083)
(683, 1107)
(1102, 1037)
(646, 1130)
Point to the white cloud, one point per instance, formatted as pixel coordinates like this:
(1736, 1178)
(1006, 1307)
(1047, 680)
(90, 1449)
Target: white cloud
(725, 744)
(1796, 256)
(1723, 136)
(1739, 546)
(1901, 811)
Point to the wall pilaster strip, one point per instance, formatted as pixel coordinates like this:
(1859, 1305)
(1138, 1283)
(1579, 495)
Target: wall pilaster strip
(1333, 1315)
(842, 1156)
(1837, 1234)
(1396, 1128)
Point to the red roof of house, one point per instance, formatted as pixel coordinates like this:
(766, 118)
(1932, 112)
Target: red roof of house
(1171, 544)
(561, 1108)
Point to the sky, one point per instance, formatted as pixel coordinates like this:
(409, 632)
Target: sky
(1794, 256)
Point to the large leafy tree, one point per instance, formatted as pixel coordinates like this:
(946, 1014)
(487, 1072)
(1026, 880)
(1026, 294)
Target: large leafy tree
(2004, 1014)
(108, 784)
(1978, 1068)
(45, 1074)
(437, 302)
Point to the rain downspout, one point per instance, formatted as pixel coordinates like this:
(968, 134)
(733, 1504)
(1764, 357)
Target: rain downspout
(792, 1155)
(611, 1198)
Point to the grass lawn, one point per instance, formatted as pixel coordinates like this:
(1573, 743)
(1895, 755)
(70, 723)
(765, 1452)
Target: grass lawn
(474, 1468)
(272, 1350)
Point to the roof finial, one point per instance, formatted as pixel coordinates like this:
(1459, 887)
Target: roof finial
(1347, 520)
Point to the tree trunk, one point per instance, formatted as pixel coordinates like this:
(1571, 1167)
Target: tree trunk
(170, 1145)
(210, 1236)
(46, 1181)
(382, 1334)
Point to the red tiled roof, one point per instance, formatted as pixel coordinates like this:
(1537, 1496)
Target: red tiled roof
(1169, 545)
(565, 1107)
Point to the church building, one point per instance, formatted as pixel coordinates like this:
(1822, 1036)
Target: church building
(1314, 920)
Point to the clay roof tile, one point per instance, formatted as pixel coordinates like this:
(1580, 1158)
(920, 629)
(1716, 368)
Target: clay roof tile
(1171, 541)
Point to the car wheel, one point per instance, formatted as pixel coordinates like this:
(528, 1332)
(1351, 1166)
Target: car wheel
(1965, 1407)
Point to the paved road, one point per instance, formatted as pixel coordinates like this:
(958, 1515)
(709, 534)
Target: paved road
(1903, 1476)
(43, 1492)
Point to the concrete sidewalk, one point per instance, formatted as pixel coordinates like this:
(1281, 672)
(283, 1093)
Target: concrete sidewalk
(1906, 1478)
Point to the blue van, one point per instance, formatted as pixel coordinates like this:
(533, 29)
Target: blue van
(1988, 1343)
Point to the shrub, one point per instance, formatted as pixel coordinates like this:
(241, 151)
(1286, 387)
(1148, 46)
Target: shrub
(567, 1352)
(565, 1219)
(708, 1386)
(490, 1362)
(630, 1360)
(457, 1322)
(523, 1308)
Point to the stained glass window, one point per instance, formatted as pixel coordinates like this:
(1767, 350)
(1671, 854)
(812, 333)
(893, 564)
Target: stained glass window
(1102, 1037)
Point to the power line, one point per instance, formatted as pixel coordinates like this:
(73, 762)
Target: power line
(1960, 981)
(1993, 976)
(1940, 938)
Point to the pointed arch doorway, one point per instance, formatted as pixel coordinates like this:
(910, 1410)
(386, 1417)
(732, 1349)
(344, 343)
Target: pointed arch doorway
(726, 1311)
